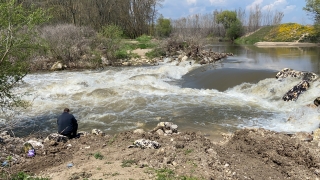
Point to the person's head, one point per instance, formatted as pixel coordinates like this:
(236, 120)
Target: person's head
(66, 110)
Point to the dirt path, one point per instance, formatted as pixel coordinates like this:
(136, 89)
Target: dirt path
(248, 154)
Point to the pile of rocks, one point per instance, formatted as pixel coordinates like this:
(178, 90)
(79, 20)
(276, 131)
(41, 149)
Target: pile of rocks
(297, 90)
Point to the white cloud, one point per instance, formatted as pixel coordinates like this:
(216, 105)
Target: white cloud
(275, 5)
(254, 4)
(289, 8)
(191, 2)
(196, 10)
(217, 1)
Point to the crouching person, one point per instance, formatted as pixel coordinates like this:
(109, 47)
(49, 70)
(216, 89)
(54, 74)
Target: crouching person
(67, 124)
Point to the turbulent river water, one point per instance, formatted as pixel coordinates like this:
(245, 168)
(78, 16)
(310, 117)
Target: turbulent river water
(239, 91)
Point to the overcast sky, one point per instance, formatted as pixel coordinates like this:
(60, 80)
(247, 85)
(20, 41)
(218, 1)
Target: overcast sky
(292, 9)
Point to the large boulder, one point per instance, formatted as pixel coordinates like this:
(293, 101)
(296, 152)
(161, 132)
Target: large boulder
(287, 72)
(317, 101)
(293, 93)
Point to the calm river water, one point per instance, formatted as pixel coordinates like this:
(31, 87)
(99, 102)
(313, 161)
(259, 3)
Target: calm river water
(240, 91)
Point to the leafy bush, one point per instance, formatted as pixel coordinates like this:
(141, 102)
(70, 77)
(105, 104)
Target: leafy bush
(163, 27)
(289, 32)
(121, 54)
(145, 42)
(110, 39)
(156, 52)
(143, 39)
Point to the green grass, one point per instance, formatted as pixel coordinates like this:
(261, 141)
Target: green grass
(98, 155)
(128, 163)
(164, 174)
(20, 176)
(257, 36)
(113, 139)
(188, 151)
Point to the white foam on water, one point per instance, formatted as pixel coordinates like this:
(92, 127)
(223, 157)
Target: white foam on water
(124, 96)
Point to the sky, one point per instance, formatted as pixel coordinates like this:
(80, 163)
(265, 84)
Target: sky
(292, 9)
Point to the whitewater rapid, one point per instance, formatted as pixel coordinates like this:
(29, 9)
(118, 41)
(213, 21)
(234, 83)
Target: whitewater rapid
(126, 98)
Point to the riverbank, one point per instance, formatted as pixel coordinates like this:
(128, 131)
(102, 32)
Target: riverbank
(246, 154)
(286, 44)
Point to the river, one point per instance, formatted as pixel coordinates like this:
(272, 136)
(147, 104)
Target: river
(239, 91)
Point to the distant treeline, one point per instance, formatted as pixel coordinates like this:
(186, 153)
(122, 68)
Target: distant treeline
(135, 17)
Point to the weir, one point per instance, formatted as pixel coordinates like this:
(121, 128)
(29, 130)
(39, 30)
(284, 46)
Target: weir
(127, 98)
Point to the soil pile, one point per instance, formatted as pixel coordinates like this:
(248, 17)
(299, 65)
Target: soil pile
(247, 154)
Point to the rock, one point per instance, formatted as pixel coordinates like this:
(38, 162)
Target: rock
(303, 136)
(56, 137)
(139, 131)
(294, 93)
(97, 132)
(57, 66)
(126, 64)
(287, 72)
(83, 133)
(166, 127)
(36, 144)
(144, 143)
(317, 101)
(184, 58)
(316, 135)
(53, 143)
(160, 132)
(27, 147)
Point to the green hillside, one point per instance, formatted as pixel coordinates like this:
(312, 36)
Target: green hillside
(290, 32)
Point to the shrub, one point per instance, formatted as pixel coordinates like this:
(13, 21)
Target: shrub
(67, 42)
(121, 54)
(110, 39)
(98, 155)
(145, 42)
(156, 52)
(290, 32)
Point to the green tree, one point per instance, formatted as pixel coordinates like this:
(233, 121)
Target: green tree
(111, 39)
(235, 30)
(313, 6)
(17, 43)
(226, 18)
(163, 27)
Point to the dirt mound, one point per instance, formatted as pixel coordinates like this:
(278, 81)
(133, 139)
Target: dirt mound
(262, 154)
(247, 154)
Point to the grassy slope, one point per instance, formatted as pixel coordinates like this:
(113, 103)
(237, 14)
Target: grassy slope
(257, 36)
(289, 32)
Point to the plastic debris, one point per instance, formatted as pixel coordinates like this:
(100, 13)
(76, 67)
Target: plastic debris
(5, 163)
(31, 153)
(69, 165)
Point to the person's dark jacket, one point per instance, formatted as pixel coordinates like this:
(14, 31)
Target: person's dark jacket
(67, 124)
